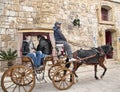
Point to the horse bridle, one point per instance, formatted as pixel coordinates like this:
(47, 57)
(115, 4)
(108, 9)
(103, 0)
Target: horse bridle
(102, 51)
(109, 51)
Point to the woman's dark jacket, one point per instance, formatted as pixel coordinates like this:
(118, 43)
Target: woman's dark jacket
(25, 48)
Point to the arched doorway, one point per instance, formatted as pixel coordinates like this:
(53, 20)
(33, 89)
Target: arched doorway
(108, 40)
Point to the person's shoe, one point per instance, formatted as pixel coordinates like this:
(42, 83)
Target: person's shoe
(72, 59)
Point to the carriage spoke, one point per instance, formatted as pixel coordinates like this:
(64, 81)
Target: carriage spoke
(10, 86)
(26, 79)
(28, 73)
(66, 83)
(24, 89)
(14, 88)
(63, 84)
(60, 84)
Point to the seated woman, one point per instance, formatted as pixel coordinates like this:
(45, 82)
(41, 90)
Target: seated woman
(29, 50)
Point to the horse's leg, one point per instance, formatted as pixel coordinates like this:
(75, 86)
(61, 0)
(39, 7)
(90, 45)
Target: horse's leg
(67, 65)
(105, 69)
(95, 69)
(76, 65)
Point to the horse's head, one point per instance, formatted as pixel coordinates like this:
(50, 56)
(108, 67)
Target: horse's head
(108, 49)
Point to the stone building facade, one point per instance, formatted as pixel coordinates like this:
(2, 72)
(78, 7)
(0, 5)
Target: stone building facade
(16, 14)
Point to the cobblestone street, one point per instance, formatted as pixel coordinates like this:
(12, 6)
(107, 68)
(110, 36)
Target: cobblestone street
(86, 81)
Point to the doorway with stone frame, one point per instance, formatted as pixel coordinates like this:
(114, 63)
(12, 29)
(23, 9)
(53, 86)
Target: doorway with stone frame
(111, 38)
(108, 40)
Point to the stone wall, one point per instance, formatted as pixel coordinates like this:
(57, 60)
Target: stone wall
(43, 13)
(16, 14)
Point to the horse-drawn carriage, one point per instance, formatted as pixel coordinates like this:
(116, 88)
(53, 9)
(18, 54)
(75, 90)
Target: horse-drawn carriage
(22, 76)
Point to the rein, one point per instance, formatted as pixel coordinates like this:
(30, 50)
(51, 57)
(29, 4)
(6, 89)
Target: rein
(77, 45)
(74, 44)
(102, 51)
(87, 57)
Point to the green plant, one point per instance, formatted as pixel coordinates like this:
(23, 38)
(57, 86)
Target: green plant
(76, 22)
(8, 55)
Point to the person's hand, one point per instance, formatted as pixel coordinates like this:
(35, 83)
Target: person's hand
(33, 50)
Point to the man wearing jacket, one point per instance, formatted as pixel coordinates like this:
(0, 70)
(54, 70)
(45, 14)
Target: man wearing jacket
(44, 45)
(60, 39)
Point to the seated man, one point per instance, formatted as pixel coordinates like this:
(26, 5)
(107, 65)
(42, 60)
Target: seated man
(44, 45)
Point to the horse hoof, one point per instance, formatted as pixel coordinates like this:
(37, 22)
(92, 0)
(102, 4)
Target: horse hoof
(96, 78)
(101, 77)
(76, 80)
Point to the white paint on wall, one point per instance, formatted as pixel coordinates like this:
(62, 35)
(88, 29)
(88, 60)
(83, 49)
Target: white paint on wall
(116, 0)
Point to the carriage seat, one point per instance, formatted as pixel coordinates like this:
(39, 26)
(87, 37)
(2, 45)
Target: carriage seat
(60, 49)
(26, 59)
(59, 45)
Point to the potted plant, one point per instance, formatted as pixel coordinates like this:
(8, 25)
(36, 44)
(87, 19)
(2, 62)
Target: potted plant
(8, 56)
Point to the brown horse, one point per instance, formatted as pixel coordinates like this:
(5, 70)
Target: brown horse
(94, 56)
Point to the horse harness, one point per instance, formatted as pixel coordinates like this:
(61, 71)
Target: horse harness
(99, 51)
(83, 59)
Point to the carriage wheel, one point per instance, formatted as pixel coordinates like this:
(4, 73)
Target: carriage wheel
(65, 79)
(52, 71)
(18, 79)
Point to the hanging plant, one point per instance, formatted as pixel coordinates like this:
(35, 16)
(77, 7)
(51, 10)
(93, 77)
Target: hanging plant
(76, 22)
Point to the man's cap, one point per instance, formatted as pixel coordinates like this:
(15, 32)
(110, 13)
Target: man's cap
(57, 23)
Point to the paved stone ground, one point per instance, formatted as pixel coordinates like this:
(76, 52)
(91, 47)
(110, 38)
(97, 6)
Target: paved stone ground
(86, 81)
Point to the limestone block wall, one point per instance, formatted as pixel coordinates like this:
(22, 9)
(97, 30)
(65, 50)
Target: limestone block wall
(113, 26)
(44, 13)
(13, 15)
(16, 14)
(117, 25)
(86, 35)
